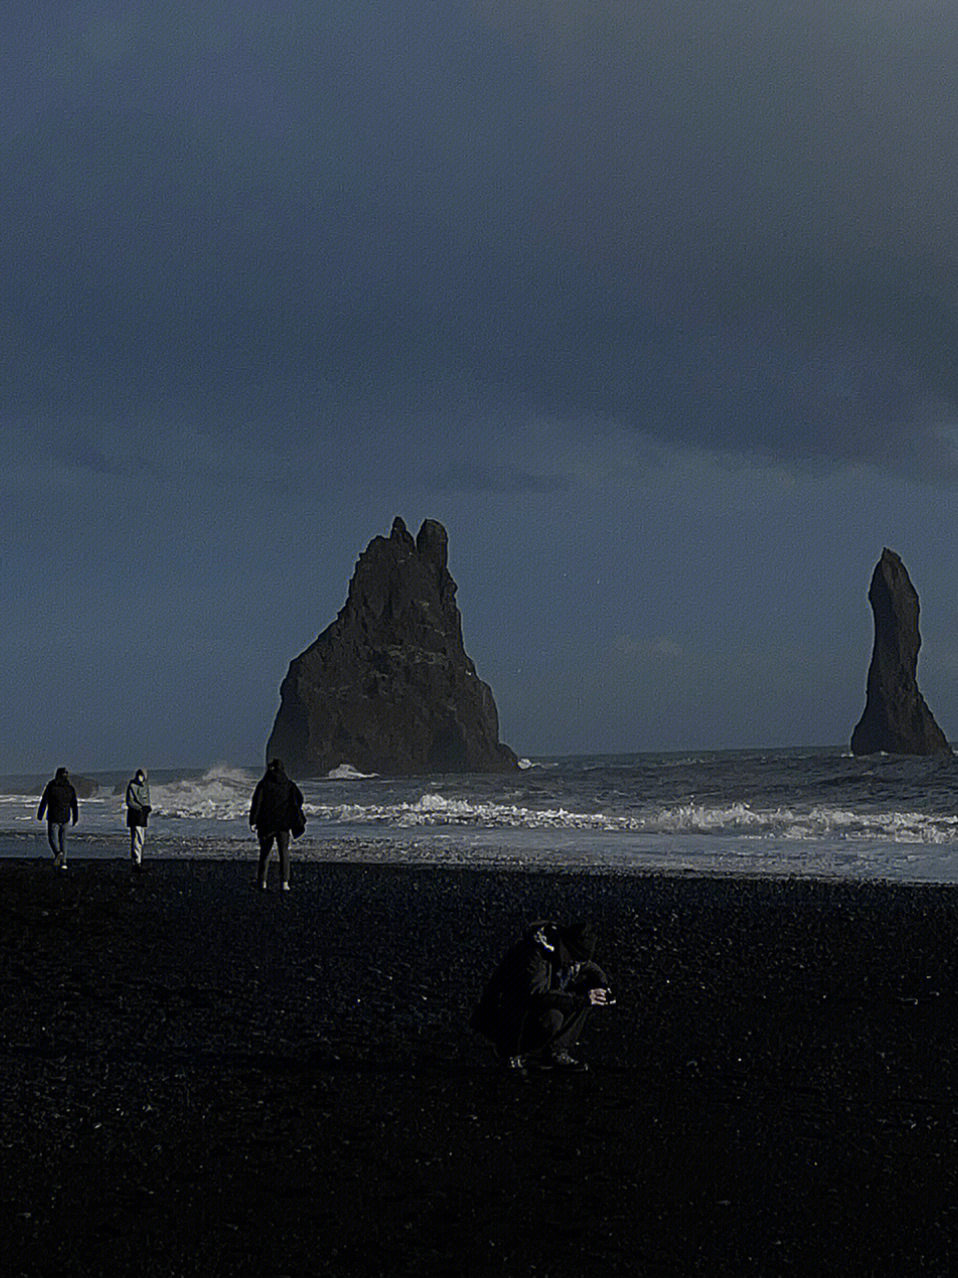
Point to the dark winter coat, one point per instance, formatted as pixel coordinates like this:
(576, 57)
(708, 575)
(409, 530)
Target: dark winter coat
(528, 980)
(277, 804)
(59, 800)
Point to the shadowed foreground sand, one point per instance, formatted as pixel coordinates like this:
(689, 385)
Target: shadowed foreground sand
(200, 1079)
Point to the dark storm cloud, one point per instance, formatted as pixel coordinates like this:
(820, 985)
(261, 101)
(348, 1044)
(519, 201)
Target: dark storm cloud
(764, 190)
(468, 477)
(727, 225)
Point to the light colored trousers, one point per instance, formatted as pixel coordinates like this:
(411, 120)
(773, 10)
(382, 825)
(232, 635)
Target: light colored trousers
(57, 838)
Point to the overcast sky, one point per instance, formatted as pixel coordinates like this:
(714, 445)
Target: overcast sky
(654, 305)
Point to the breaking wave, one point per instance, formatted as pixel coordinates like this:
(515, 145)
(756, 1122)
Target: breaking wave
(222, 793)
(776, 812)
(736, 819)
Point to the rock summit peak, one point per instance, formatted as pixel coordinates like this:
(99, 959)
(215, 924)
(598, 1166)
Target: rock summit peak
(388, 686)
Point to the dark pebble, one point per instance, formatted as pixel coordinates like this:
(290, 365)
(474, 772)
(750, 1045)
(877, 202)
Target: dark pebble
(202, 1079)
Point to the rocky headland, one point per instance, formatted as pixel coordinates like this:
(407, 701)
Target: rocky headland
(896, 719)
(388, 687)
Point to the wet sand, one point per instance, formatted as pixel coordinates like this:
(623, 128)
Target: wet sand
(198, 1078)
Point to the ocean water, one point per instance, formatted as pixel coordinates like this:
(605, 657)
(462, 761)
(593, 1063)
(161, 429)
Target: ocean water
(806, 812)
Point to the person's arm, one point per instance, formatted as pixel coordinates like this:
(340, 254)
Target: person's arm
(539, 991)
(591, 976)
(592, 982)
(294, 811)
(43, 804)
(254, 806)
(74, 806)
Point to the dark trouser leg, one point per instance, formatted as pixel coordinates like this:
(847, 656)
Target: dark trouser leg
(265, 847)
(572, 1027)
(550, 1031)
(282, 843)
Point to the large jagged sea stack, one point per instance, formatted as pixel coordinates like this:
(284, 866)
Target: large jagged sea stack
(896, 719)
(388, 687)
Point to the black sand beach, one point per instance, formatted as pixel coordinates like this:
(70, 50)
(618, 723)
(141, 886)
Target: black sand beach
(201, 1079)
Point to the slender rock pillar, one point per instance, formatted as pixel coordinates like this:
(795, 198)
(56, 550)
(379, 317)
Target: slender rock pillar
(896, 719)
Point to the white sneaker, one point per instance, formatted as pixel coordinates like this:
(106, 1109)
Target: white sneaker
(285, 887)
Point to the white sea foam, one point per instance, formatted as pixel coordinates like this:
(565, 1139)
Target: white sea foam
(17, 809)
(786, 812)
(222, 793)
(346, 772)
(736, 819)
(221, 797)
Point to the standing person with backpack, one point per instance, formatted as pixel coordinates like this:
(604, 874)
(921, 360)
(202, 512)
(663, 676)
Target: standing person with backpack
(58, 802)
(137, 814)
(276, 812)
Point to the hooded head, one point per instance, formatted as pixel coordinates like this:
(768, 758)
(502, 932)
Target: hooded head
(62, 774)
(578, 939)
(544, 933)
(275, 766)
(141, 774)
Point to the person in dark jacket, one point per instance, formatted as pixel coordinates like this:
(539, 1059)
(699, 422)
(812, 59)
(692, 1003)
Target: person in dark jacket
(137, 814)
(58, 803)
(536, 1003)
(275, 813)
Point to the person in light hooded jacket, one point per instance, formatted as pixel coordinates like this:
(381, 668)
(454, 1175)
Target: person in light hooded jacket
(137, 813)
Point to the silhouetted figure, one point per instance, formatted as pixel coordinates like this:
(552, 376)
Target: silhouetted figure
(536, 1003)
(58, 803)
(276, 813)
(137, 814)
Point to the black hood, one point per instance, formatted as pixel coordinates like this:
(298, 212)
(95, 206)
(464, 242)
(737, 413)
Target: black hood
(578, 940)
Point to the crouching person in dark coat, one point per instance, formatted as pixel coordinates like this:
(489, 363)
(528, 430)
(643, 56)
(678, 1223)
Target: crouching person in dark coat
(275, 813)
(536, 1003)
